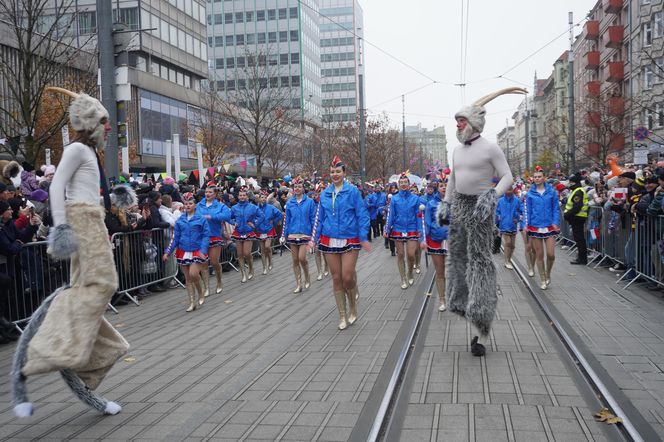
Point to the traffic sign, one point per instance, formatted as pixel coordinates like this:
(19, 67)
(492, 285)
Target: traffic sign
(641, 133)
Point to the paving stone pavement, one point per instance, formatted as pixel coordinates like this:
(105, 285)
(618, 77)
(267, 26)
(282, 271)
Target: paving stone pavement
(622, 328)
(254, 363)
(524, 389)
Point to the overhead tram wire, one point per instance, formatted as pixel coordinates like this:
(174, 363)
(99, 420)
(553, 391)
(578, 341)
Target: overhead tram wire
(405, 93)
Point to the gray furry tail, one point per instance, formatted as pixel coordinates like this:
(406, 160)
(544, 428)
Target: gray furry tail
(486, 205)
(18, 388)
(443, 213)
(88, 396)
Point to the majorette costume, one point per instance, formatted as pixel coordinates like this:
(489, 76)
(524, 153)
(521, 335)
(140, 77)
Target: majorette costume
(68, 332)
(191, 240)
(299, 219)
(321, 264)
(470, 191)
(219, 214)
(242, 214)
(542, 221)
(508, 216)
(404, 223)
(342, 223)
(266, 228)
(436, 240)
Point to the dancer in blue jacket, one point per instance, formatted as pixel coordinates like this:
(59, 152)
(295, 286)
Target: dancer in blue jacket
(244, 216)
(190, 242)
(341, 228)
(216, 214)
(508, 216)
(543, 223)
(298, 225)
(404, 227)
(321, 264)
(435, 238)
(381, 206)
(266, 229)
(529, 251)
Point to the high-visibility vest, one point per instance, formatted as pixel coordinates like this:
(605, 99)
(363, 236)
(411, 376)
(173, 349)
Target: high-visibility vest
(583, 213)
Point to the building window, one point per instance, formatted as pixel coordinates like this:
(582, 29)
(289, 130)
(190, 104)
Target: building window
(219, 40)
(285, 81)
(283, 13)
(271, 14)
(295, 103)
(230, 62)
(260, 38)
(260, 15)
(294, 36)
(339, 56)
(295, 58)
(293, 12)
(239, 40)
(220, 85)
(251, 39)
(647, 34)
(283, 59)
(658, 21)
(230, 40)
(274, 82)
(272, 37)
(273, 59)
(332, 27)
(219, 63)
(87, 22)
(241, 84)
(295, 80)
(283, 36)
(240, 62)
(249, 16)
(228, 18)
(239, 17)
(230, 85)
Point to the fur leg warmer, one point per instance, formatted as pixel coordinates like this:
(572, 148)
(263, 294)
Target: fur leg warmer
(457, 238)
(486, 206)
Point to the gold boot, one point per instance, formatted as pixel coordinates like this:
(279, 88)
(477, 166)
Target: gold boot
(220, 286)
(199, 289)
(340, 298)
(251, 267)
(352, 296)
(549, 267)
(264, 262)
(319, 266)
(298, 278)
(410, 267)
(205, 281)
(191, 291)
(243, 271)
(542, 273)
(305, 270)
(402, 273)
(440, 285)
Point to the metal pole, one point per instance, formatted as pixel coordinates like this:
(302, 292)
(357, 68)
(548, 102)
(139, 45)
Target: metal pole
(571, 143)
(176, 155)
(403, 130)
(169, 158)
(201, 171)
(527, 117)
(363, 132)
(107, 82)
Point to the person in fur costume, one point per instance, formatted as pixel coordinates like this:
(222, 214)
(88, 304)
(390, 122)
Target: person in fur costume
(471, 198)
(10, 172)
(68, 332)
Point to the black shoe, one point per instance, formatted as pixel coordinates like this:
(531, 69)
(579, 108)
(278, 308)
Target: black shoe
(156, 288)
(475, 348)
(394, 254)
(121, 301)
(578, 262)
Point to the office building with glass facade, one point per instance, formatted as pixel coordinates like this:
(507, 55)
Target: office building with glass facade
(341, 31)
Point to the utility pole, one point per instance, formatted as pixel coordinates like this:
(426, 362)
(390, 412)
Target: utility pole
(571, 143)
(527, 118)
(107, 81)
(507, 141)
(403, 130)
(363, 123)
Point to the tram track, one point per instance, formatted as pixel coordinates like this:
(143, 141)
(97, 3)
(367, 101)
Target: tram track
(379, 420)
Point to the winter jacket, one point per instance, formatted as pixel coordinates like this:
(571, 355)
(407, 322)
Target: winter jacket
(404, 213)
(543, 209)
(508, 213)
(348, 218)
(219, 213)
(167, 215)
(655, 207)
(372, 205)
(268, 218)
(435, 231)
(28, 183)
(155, 221)
(242, 214)
(381, 202)
(169, 189)
(12, 238)
(299, 216)
(190, 235)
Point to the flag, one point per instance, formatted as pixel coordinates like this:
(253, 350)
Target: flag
(594, 233)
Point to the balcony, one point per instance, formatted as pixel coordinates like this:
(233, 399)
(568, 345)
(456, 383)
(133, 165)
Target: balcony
(594, 119)
(616, 106)
(593, 88)
(616, 71)
(592, 149)
(616, 35)
(592, 60)
(613, 6)
(617, 142)
(592, 30)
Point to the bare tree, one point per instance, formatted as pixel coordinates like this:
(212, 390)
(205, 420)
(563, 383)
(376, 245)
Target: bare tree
(45, 50)
(383, 147)
(284, 153)
(258, 108)
(211, 128)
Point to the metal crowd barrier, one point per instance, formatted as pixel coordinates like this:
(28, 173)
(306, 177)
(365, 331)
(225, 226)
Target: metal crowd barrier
(636, 242)
(138, 259)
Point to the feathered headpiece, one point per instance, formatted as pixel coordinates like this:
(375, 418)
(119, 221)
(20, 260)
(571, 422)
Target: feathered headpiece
(539, 168)
(264, 192)
(85, 113)
(476, 113)
(188, 196)
(298, 180)
(336, 162)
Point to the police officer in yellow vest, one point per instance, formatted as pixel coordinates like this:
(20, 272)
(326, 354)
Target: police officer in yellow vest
(576, 214)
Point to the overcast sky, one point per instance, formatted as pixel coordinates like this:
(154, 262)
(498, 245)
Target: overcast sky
(427, 35)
